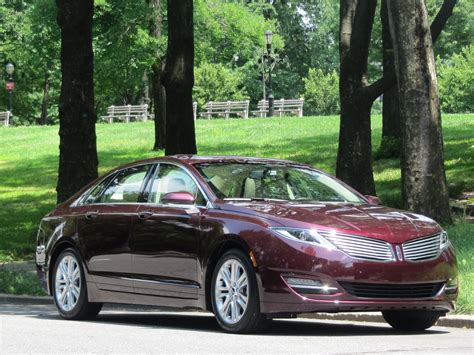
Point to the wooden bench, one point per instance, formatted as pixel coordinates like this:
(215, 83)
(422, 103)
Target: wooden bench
(126, 113)
(5, 118)
(292, 106)
(226, 109)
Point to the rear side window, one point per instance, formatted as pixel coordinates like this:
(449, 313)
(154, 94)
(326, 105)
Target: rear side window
(126, 186)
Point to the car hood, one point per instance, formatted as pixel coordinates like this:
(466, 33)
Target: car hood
(391, 225)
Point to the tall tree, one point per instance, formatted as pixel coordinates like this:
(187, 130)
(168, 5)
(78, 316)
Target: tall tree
(158, 90)
(391, 137)
(178, 79)
(77, 148)
(354, 162)
(424, 186)
(391, 131)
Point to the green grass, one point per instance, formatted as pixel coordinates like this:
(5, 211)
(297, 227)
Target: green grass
(20, 283)
(29, 161)
(462, 237)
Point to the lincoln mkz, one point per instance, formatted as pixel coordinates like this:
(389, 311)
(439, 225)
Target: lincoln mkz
(248, 239)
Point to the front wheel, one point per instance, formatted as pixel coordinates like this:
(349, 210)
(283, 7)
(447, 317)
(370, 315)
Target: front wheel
(411, 320)
(70, 289)
(234, 294)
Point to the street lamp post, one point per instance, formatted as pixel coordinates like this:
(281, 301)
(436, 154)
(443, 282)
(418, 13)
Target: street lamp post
(10, 85)
(271, 98)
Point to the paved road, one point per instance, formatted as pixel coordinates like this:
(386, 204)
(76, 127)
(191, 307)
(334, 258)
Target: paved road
(36, 329)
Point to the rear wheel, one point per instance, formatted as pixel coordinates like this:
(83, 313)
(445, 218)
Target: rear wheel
(70, 289)
(234, 294)
(411, 320)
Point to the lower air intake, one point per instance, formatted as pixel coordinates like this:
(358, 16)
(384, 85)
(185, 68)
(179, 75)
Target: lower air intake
(367, 290)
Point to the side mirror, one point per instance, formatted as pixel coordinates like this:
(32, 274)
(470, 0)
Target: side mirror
(373, 200)
(178, 198)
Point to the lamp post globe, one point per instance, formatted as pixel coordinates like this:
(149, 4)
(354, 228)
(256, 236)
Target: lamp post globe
(10, 68)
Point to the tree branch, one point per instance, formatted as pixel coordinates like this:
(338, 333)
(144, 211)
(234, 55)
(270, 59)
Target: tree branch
(378, 87)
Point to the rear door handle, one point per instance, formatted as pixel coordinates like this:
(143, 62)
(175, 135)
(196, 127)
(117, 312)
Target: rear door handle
(92, 214)
(145, 214)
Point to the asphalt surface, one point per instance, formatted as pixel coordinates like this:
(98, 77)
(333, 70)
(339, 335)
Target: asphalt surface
(38, 329)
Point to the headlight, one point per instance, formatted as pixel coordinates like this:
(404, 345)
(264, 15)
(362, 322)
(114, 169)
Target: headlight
(304, 235)
(444, 241)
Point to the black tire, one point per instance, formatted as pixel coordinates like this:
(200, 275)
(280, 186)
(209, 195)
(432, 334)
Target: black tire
(411, 320)
(252, 320)
(83, 309)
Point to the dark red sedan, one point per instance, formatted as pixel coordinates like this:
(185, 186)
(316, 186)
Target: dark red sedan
(246, 238)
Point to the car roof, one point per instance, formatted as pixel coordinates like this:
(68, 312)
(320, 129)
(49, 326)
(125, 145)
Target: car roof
(212, 159)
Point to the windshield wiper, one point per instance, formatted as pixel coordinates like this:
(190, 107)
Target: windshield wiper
(254, 199)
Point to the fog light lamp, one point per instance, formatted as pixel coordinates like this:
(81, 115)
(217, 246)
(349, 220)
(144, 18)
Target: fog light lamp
(292, 281)
(310, 286)
(451, 286)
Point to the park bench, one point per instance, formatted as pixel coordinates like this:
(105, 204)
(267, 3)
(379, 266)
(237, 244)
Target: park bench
(291, 106)
(226, 109)
(126, 113)
(5, 118)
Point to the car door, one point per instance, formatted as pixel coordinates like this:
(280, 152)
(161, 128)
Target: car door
(104, 228)
(167, 237)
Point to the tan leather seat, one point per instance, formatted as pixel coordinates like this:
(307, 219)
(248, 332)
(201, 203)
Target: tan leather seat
(249, 188)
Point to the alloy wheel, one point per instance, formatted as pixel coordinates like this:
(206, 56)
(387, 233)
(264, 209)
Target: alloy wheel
(68, 283)
(232, 291)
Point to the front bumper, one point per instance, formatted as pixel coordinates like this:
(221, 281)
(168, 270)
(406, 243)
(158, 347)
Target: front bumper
(332, 268)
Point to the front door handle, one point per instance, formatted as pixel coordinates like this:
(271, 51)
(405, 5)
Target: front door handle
(92, 214)
(145, 214)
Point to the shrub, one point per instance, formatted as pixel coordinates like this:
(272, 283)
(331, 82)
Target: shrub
(321, 92)
(215, 82)
(456, 82)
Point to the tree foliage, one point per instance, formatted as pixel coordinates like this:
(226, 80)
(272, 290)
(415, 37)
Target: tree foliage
(215, 82)
(321, 93)
(456, 81)
(229, 34)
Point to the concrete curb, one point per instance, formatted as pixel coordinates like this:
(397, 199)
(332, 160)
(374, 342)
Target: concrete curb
(453, 321)
(21, 299)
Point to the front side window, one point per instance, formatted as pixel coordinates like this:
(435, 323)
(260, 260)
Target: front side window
(172, 178)
(126, 186)
(272, 181)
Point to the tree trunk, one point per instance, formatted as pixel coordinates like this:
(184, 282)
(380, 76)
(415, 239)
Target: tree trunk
(145, 96)
(45, 103)
(354, 158)
(159, 107)
(77, 148)
(391, 135)
(424, 187)
(158, 90)
(178, 79)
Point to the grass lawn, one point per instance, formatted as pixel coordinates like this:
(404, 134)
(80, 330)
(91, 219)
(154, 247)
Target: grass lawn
(29, 161)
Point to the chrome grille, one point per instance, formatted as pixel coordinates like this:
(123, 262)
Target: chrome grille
(422, 248)
(361, 247)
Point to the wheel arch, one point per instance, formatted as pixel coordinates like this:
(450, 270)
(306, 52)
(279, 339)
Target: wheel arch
(228, 242)
(56, 251)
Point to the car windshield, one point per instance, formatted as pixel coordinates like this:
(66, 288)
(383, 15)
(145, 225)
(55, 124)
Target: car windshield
(256, 181)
